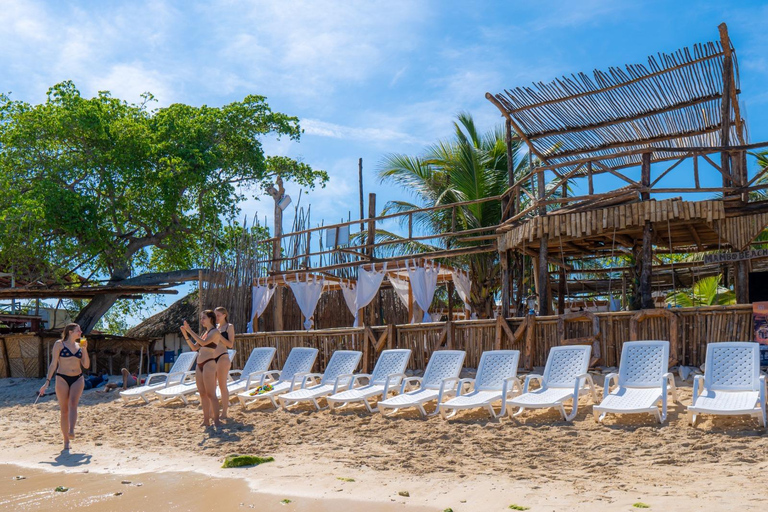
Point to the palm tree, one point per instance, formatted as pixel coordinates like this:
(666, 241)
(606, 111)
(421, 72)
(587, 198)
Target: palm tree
(704, 292)
(470, 166)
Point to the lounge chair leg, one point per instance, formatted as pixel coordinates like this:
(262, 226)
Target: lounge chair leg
(274, 403)
(518, 413)
(693, 416)
(493, 413)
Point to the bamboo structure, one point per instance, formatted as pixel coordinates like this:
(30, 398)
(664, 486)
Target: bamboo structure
(681, 108)
(691, 328)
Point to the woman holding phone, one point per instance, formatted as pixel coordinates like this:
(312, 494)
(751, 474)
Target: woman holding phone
(205, 373)
(68, 360)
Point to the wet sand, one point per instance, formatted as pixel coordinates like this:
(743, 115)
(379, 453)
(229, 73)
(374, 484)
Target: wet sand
(188, 491)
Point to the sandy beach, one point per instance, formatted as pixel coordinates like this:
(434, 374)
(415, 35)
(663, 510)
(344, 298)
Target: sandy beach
(469, 463)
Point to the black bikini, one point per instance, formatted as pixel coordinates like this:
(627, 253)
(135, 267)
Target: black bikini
(65, 352)
(211, 345)
(225, 335)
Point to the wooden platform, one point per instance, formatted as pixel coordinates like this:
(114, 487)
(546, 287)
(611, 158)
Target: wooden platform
(677, 225)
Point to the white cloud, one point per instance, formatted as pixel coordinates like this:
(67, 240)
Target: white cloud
(336, 131)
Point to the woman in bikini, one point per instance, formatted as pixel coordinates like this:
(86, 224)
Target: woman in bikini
(69, 359)
(205, 373)
(223, 364)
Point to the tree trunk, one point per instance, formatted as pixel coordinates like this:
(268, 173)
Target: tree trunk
(90, 315)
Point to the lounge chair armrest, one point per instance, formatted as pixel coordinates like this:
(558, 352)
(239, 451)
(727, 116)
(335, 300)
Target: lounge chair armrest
(175, 378)
(444, 388)
(698, 387)
(350, 376)
(407, 381)
(259, 377)
(669, 384)
(151, 376)
(303, 376)
(529, 378)
(307, 376)
(607, 385)
(460, 385)
(507, 385)
(584, 381)
(389, 380)
(359, 376)
(763, 389)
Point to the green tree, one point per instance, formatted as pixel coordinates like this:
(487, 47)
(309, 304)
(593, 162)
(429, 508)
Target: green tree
(111, 189)
(704, 292)
(471, 166)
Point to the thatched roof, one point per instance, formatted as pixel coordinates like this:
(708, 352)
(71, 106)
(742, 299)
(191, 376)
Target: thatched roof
(169, 320)
(676, 101)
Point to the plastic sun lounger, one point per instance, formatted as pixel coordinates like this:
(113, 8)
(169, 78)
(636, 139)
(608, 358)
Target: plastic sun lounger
(386, 377)
(731, 384)
(642, 380)
(298, 364)
(565, 378)
(258, 362)
(337, 376)
(155, 381)
(183, 390)
(440, 379)
(496, 379)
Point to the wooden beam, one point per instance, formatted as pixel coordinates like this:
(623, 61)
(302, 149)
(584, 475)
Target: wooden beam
(638, 142)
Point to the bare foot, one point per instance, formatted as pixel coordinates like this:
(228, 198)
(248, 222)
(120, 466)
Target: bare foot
(71, 435)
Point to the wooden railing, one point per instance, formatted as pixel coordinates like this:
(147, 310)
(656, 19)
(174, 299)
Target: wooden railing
(688, 329)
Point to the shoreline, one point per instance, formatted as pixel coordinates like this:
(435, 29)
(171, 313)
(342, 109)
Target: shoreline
(472, 463)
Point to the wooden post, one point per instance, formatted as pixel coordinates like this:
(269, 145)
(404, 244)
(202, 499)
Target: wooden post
(741, 281)
(561, 293)
(589, 179)
(646, 253)
(543, 286)
(505, 281)
(450, 301)
(360, 180)
(277, 193)
(370, 240)
(519, 277)
(725, 105)
(200, 304)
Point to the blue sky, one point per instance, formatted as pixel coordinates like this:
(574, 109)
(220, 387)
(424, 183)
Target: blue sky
(366, 78)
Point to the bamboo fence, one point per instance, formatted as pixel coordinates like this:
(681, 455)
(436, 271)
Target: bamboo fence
(695, 328)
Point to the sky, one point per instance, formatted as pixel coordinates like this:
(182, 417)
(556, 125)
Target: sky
(365, 78)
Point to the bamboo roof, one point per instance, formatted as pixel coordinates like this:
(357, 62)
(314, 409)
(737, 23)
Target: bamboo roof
(169, 320)
(673, 101)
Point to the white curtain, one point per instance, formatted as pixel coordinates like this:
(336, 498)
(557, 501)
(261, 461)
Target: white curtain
(307, 294)
(401, 289)
(360, 295)
(423, 285)
(260, 297)
(463, 286)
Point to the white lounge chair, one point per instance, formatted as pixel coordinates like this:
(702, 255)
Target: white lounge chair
(440, 379)
(642, 380)
(731, 384)
(297, 365)
(386, 377)
(258, 362)
(565, 378)
(496, 379)
(182, 391)
(337, 377)
(179, 371)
